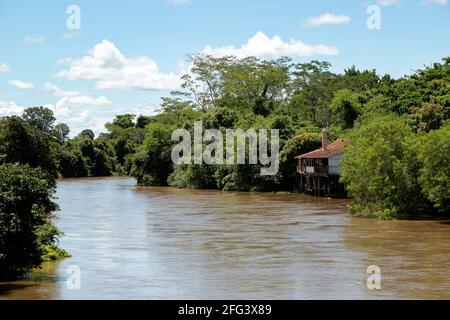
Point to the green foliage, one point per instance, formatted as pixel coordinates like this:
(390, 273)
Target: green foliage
(40, 117)
(434, 156)
(345, 107)
(152, 164)
(124, 121)
(125, 137)
(380, 169)
(246, 84)
(87, 134)
(360, 80)
(85, 157)
(48, 236)
(193, 177)
(29, 147)
(61, 132)
(26, 200)
(220, 118)
(378, 104)
(313, 85)
(236, 177)
(429, 116)
(25, 144)
(429, 85)
(52, 253)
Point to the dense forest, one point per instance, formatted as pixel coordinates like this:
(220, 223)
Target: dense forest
(397, 161)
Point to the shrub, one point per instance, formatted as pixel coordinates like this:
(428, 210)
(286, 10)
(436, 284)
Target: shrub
(380, 168)
(26, 200)
(434, 156)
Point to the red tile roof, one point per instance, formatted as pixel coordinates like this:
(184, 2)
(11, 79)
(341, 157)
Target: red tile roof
(332, 149)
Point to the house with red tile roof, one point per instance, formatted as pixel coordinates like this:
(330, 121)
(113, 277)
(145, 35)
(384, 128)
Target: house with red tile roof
(319, 169)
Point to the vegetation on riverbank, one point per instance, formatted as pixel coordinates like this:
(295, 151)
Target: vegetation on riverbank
(397, 160)
(390, 170)
(26, 202)
(28, 169)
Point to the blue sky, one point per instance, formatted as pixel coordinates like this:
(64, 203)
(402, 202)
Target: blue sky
(128, 54)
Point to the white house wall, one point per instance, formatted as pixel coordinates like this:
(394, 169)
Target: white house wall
(334, 163)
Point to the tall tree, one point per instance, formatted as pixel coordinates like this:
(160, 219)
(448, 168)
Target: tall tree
(380, 168)
(345, 107)
(25, 144)
(40, 117)
(26, 199)
(61, 132)
(434, 156)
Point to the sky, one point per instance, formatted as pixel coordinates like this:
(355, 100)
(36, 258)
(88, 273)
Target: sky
(90, 60)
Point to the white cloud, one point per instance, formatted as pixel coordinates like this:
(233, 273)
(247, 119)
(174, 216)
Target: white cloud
(63, 61)
(145, 110)
(10, 108)
(33, 40)
(178, 2)
(22, 85)
(110, 69)
(72, 99)
(71, 108)
(261, 46)
(4, 68)
(327, 19)
(386, 3)
(439, 2)
(86, 119)
(57, 92)
(77, 119)
(79, 101)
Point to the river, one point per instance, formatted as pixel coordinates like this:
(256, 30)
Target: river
(163, 243)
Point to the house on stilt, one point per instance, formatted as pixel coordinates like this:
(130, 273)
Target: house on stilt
(319, 169)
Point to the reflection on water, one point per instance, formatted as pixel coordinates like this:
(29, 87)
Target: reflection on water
(163, 243)
(37, 285)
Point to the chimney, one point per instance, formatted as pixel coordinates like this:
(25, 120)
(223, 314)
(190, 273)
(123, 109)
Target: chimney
(324, 139)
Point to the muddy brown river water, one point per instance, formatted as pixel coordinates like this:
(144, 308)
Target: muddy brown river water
(164, 243)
